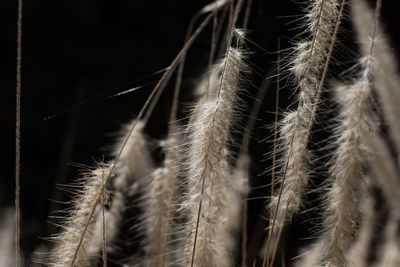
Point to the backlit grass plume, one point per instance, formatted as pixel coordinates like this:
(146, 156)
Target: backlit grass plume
(309, 68)
(209, 179)
(86, 228)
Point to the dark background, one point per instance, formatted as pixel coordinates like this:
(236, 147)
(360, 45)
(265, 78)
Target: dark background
(79, 51)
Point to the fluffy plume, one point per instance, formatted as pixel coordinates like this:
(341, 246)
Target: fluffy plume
(384, 67)
(159, 207)
(208, 175)
(82, 237)
(135, 160)
(107, 218)
(383, 70)
(311, 59)
(357, 121)
(309, 67)
(357, 255)
(73, 241)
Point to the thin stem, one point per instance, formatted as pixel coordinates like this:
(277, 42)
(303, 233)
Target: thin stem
(220, 32)
(198, 219)
(213, 49)
(104, 225)
(179, 75)
(276, 247)
(276, 117)
(376, 21)
(104, 236)
(171, 68)
(229, 40)
(18, 135)
(255, 111)
(244, 233)
(247, 14)
(276, 120)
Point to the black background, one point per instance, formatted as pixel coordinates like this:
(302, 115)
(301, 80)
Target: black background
(74, 51)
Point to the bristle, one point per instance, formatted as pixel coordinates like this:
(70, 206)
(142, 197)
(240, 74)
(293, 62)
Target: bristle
(39, 256)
